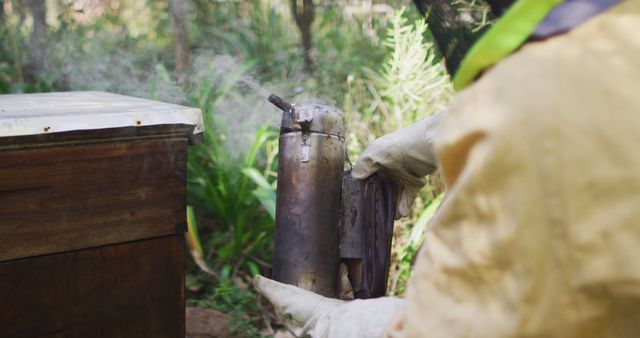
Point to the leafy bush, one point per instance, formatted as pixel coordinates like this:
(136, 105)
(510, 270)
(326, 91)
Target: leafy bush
(410, 85)
(222, 175)
(231, 185)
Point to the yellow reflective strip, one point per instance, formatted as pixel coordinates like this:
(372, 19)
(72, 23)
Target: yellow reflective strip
(502, 39)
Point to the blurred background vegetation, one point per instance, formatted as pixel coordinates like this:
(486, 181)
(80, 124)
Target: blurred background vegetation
(375, 60)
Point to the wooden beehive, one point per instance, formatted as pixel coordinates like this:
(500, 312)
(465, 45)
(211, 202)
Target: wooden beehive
(92, 215)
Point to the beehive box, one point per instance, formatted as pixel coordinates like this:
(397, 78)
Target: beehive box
(92, 215)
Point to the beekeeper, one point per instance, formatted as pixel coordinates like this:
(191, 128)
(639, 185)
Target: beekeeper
(539, 232)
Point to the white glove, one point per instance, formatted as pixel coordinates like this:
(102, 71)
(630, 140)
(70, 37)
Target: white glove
(308, 314)
(405, 156)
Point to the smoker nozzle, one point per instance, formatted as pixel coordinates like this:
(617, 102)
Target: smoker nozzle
(280, 103)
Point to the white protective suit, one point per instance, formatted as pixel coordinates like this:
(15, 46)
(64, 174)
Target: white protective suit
(539, 232)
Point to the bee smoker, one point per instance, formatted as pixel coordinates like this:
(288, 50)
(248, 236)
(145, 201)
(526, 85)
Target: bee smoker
(323, 215)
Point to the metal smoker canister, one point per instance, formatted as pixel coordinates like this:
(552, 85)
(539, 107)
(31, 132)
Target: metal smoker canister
(310, 163)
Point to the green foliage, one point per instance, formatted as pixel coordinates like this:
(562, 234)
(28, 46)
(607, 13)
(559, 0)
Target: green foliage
(345, 52)
(411, 84)
(265, 192)
(379, 67)
(234, 188)
(254, 31)
(407, 245)
(218, 183)
(195, 244)
(239, 303)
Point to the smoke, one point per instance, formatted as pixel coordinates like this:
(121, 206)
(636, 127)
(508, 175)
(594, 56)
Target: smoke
(243, 107)
(239, 107)
(255, 86)
(119, 71)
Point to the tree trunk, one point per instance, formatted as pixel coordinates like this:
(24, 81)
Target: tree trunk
(2, 13)
(19, 7)
(304, 12)
(39, 36)
(178, 10)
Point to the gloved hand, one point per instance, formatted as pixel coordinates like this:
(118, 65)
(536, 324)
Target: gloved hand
(308, 314)
(405, 156)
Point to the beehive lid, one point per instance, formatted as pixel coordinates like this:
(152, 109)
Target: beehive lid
(33, 114)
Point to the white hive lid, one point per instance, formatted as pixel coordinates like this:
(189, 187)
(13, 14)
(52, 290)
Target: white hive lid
(32, 114)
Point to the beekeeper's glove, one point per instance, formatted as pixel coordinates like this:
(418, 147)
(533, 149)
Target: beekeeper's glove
(308, 314)
(405, 156)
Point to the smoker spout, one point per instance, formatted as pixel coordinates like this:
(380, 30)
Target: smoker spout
(281, 103)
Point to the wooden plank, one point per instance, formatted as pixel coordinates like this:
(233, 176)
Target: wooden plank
(66, 198)
(132, 289)
(100, 136)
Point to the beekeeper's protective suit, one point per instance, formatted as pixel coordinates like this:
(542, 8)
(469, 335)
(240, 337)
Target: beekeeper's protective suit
(539, 232)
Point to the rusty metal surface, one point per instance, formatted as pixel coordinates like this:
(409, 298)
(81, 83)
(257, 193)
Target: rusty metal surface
(351, 217)
(315, 118)
(280, 103)
(308, 212)
(366, 231)
(377, 223)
